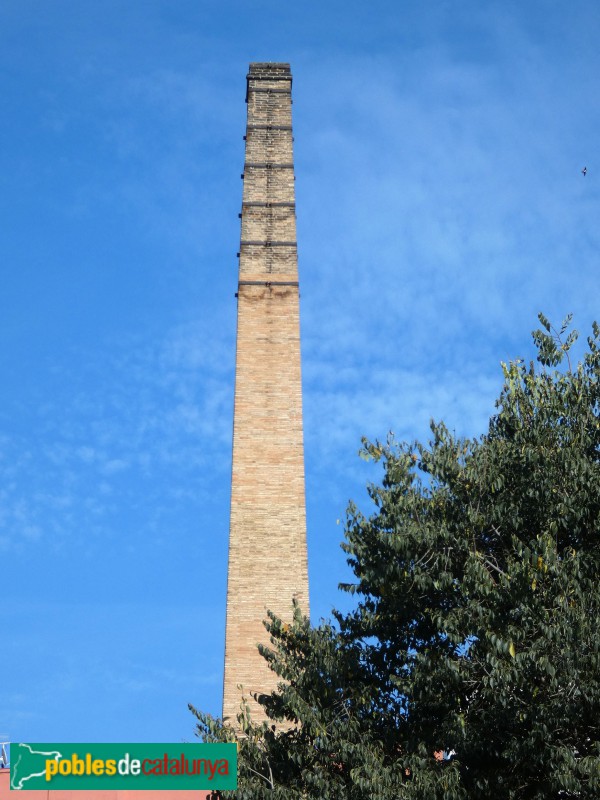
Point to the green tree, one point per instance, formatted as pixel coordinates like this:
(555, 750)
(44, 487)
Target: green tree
(476, 630)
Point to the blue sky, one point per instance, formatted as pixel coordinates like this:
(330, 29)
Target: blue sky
(441, 205)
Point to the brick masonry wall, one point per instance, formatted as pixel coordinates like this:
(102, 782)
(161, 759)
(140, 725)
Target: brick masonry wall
(267, 544)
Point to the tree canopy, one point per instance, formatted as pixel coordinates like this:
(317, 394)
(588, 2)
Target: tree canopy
(470, 667)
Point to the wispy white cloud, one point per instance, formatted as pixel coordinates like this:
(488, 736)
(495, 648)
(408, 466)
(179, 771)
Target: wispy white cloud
(143, 424)
(449, 211)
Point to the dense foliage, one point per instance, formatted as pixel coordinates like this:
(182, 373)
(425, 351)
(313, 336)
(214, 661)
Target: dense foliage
(471, 665)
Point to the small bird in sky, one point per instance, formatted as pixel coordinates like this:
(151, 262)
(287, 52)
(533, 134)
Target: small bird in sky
(584, 171)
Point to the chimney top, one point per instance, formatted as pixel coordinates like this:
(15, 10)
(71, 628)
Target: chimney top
(269, 69)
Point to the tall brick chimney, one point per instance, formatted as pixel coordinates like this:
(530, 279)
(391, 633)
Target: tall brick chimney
(267, 540)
